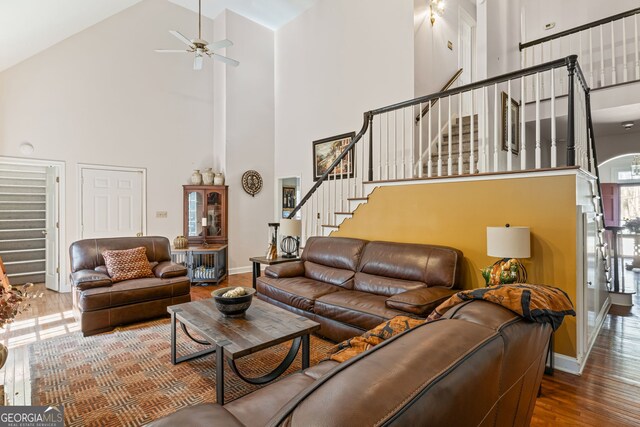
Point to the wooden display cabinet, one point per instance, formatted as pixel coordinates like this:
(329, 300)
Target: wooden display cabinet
(205, 213)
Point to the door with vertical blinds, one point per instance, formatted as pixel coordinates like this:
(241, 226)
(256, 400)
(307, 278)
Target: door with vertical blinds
(112, 203)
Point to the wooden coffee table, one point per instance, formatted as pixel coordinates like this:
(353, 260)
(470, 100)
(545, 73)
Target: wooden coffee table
(263, 326)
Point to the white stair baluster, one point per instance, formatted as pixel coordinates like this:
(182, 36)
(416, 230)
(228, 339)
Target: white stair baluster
(637, 52)
(395, 144)
(537, 152)
(449, 138)
(429, 141)
(379, 150)
(439, 137)
(496, 128)
(523, 133)
(413, 142)
(404, 153)
(602, 81)
(388, 152)
(460, 169)
(481, 140)
(625, 75)
(613, 55)
(509, 123)
(472, 156)
(590, 58)
(553, 121)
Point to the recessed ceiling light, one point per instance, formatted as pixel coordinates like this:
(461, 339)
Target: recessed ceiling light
(627, 125)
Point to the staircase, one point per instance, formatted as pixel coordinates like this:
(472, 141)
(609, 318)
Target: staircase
(22, 222)
(457, 156)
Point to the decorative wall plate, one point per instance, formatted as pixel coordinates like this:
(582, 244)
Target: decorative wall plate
(251, 182)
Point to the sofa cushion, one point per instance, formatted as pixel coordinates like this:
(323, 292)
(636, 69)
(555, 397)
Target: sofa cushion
(332, 275)
(359, 309)
(127, 264)
(299, 292)
(420, 301)
(132, 291)
(380, 285)
(429, 264)
(337, 252)
(167, 269)
(86, 279)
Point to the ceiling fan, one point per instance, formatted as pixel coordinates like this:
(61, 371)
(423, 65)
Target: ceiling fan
(201, 47)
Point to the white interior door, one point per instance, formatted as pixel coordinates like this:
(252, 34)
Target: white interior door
(52, 230)
(112, 203)
(466, 56)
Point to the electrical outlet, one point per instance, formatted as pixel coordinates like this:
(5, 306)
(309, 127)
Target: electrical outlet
(161, 214)
(318, 215)
(450, 45)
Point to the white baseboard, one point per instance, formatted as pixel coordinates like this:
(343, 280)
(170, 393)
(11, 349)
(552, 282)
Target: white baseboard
(567, 364)
(240, 270)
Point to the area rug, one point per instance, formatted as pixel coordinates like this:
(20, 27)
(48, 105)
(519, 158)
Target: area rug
(125, 377)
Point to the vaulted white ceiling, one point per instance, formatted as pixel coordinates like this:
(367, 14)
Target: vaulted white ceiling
(30, 26)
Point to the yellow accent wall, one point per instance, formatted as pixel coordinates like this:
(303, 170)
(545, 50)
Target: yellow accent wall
(457, 213)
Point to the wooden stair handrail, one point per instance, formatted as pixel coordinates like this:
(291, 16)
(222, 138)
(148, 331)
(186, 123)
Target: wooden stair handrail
(447, 85)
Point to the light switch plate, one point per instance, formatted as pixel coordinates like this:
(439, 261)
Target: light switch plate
(161, 214)
(450, 45)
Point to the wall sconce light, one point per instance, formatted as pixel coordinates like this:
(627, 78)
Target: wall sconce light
(436, 8)
(635, 167)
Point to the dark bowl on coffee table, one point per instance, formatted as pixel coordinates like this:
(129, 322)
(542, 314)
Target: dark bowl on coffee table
(233, 307)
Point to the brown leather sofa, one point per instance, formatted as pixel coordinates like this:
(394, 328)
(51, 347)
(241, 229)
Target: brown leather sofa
(480, 365)
(99, 304)
(351, 285)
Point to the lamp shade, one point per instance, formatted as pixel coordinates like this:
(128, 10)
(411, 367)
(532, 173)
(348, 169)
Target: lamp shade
(508, 242)
(290, 227)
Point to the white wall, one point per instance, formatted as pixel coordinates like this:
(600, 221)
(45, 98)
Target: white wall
(245, 121)
(333, 63)
(435, 63)
(104, 97)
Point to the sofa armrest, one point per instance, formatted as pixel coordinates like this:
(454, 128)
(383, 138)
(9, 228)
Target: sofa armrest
(205, 414)
(167, 269)
(287, 269)
(87, 279)
(420, 301)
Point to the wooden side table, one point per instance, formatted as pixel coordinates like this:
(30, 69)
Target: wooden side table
(257, 260)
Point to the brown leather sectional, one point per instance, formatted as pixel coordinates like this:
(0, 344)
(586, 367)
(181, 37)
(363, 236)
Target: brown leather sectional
(480, 365)
(351, 285)
(100, 305)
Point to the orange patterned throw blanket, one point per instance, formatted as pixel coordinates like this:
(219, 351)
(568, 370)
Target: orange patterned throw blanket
(356, 345)
(538, 303)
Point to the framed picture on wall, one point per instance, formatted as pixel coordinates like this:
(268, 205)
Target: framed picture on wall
(510, 107)
(327, 150)
(288, 199)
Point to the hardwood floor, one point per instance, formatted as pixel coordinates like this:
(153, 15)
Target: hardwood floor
(607, 394)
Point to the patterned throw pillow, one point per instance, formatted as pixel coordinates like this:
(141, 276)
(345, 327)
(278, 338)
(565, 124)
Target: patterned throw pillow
(356, 345)
(127, 264)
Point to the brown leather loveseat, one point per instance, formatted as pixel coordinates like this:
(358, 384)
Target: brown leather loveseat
(100, 305)
(479, 365)
(351, 285)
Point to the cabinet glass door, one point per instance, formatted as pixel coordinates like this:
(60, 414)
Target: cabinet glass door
(195, 208)
(214, 214)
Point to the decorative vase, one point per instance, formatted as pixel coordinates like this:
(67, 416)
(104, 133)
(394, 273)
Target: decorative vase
(4, 352)
(196, 177)
(218, 179)
(207, 176)
(180, 242)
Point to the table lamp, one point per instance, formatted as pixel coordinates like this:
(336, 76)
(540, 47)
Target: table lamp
(290, 229)
(509, 243)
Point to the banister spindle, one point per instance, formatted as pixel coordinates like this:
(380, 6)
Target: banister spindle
(472, 157)
(553, 120)
(481, 141)
(523, 133)
(413, 143)
(602, 80)
(439, 138)
(404, 139)
(395, 144)
(571, 153)
(420, 146)
(496, 129)
(449, 138)
(388, 152)
(509, 124)
(538, 156)
(613, 54)
(637, 51)
(460, 170)
(625, 75)
(590, 58)
(429, 144)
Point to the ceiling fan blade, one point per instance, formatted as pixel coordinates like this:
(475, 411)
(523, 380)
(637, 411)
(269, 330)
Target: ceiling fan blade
(172, 51)
(220, 44)
(197, 63)
(181, 37)
(226, 60)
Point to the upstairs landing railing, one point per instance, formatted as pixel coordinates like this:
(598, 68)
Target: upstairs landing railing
(511, 135)
(608, 49)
